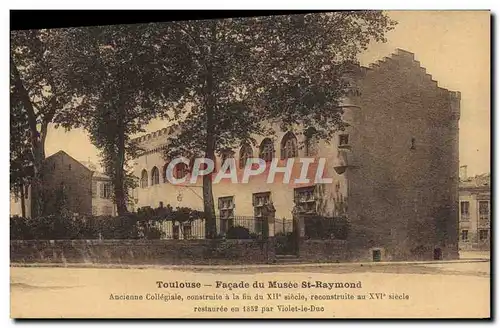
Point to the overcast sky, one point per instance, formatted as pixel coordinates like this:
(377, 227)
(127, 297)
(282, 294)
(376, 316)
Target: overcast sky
(454, 47)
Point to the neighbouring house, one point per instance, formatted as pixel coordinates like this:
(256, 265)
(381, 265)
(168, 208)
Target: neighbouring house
(102, 192)
(394, 169)
(77, 186)
(475, 213)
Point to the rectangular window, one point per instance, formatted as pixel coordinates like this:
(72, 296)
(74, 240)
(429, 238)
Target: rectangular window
(484, 209)
(465, 235)
(305, 200)
(343, 140)
(26, 191)
(259, 201)
(105, 190)
(226, 213)
(94, 188)
(464, 209)
(483, 235)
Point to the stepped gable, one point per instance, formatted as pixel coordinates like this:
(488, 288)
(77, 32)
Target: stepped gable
(404, 56)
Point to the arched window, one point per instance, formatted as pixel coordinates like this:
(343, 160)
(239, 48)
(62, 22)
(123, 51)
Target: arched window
(180, 170)
(311, 142)
(289, 147)
(246, 152)
(144, 179)
(225, 155)
(266, 150)
(155, 176)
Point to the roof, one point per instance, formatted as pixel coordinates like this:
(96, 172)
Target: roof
(63, 153)
(96, 169)
(478, 181)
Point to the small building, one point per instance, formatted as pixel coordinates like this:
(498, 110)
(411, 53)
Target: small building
(78, 186)
(102, 192)
(475, 213)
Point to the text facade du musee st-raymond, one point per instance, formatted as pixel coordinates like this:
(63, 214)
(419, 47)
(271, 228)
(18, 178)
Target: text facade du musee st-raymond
(272, 284)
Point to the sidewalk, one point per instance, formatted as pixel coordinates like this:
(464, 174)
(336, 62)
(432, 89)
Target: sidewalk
(236, 266)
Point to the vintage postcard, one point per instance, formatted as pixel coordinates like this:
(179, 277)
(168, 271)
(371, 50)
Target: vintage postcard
(319, 165)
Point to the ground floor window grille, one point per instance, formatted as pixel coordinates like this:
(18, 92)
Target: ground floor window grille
(260, 200)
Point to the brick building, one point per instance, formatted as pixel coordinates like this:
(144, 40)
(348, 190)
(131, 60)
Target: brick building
(475, 216)
(79, 185)
(394, 169)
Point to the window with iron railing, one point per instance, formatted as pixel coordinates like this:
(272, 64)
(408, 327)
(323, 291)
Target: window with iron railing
(305, 200)
(259, 201)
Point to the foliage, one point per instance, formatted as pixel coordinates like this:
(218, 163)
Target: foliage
(286, 69)
(38, 94)
(238, 232)
(66, 226)
(168, 213)
(21, 158)
(122, 85)
(285, 242)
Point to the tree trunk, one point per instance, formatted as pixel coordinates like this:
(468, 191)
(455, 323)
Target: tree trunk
(208, 198)
(37, 146)
(23, 203)
(210, 103)
(119, 181)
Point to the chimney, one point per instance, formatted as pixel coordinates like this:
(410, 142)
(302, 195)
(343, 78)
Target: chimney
(463, 172)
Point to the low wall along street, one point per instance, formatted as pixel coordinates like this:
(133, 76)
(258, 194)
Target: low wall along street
(146, 252)
(164, 252)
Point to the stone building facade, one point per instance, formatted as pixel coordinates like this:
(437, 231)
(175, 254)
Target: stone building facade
(475, 212)
(394, 169)
(102, 192)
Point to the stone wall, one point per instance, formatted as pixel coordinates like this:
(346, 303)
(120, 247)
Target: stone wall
(327, 250)
(403, 181)
(145, 252)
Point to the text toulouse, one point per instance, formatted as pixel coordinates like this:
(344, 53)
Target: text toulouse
(260, 284)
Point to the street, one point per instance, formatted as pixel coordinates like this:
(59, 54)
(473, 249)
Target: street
(440, 290)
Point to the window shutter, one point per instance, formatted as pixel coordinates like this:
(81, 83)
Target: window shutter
(101, 190)
(94, 188)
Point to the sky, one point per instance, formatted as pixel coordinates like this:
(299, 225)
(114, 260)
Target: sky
(453, 46)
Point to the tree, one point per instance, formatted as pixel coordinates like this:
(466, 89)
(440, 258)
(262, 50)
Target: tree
(38, 92)
(121, 86)
(244, 71)
(21, 159)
